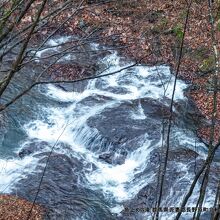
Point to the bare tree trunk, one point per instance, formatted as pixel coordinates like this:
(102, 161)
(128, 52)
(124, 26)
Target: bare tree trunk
(163, 173)
(214, 112)
(212, 147)
(19, 59)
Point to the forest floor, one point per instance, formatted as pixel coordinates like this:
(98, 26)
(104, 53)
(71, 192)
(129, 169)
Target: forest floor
(14, 208)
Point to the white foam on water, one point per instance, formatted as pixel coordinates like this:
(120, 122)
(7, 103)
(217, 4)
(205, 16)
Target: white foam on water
(58, 41)
(117, 181)
(53, 46)
(94, 46)
(62, 95)
(113, 178)
(139, 82)
(162, 82)
(139, 113)
(188, 140)
(117, 209)
(11, 171)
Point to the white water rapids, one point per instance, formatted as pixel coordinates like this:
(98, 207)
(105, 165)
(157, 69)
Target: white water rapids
(68, 124)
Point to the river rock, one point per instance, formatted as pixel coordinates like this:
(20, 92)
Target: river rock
(119, 127)
(32, 147)
(73, 87)
(60, 193)
(189, 114)
(114, 157)
(147, 196)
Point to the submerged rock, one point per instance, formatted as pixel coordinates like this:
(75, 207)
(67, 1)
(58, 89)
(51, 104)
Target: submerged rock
(118, 125)
(125, 123)
(32, 147)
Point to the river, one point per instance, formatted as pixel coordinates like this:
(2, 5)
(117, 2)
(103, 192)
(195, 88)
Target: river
(106, 137)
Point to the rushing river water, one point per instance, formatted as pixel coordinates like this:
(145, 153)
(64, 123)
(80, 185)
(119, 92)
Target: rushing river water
(106, 136)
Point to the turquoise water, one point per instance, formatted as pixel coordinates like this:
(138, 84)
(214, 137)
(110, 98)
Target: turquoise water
(25, 109)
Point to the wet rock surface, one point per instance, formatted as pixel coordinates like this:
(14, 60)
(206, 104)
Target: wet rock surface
(146, 197)
(120, 125)
(117, 125)
(60, 191)
(119, 131)
(32, 147)
(122, 130)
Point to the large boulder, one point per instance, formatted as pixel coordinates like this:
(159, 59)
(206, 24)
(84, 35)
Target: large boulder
(125, 127)
(119, 126)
